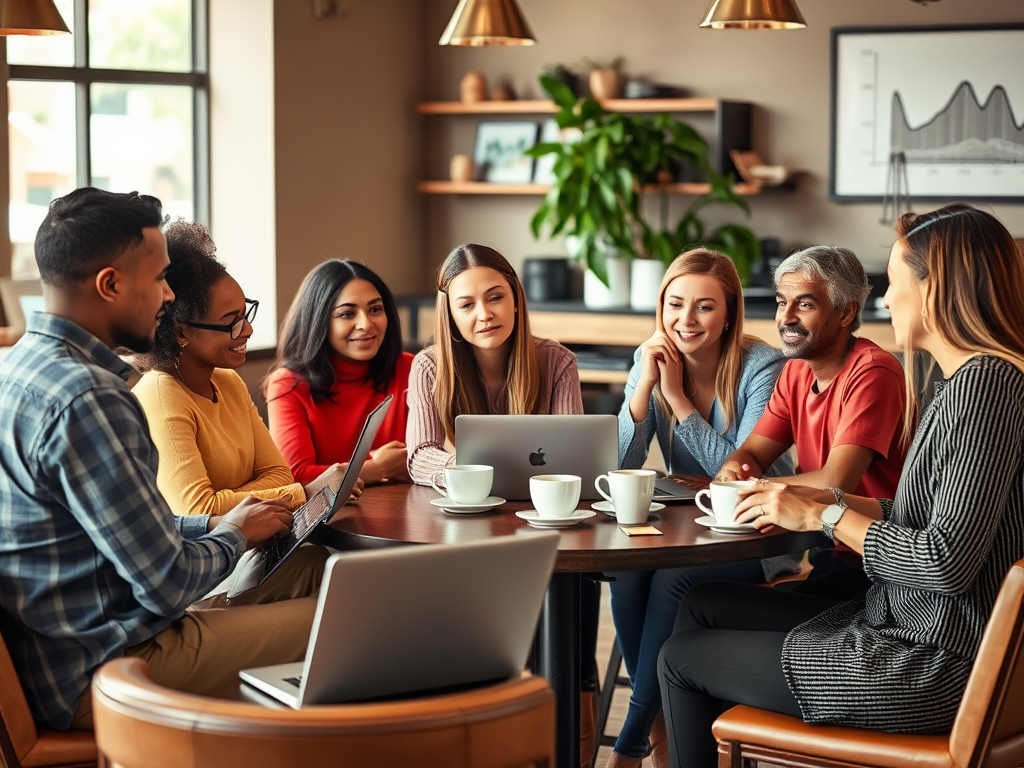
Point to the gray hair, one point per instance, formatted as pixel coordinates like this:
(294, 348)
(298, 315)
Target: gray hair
(838, 268)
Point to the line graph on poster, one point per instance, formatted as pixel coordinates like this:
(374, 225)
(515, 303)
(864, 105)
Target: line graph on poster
(950, 101)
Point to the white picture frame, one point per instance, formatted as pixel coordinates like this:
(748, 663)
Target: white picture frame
(951, 99)
(498, 151)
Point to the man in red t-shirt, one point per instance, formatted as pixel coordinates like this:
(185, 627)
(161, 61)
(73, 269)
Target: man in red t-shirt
(840, 399)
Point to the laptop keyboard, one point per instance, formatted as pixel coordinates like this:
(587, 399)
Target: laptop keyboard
(302, 520)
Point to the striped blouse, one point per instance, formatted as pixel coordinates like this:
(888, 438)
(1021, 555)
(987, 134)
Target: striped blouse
(899, 659)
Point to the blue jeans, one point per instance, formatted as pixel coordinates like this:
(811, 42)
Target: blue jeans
(644, 607)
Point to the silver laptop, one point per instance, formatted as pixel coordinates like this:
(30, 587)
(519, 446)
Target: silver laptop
(519, 447)
(418, 618)
(256, 565)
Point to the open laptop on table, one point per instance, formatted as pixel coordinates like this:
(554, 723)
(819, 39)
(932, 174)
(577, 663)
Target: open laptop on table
(521, 446)
(256, 565)
(418, 618)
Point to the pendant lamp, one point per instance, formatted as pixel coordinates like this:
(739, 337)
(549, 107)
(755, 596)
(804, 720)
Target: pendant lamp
(754, 14)
(487, 22)
(31, 17)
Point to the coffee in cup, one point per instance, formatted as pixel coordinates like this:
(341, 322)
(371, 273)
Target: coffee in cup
(725, 494)
(555, 495)
(464, 483)
(630, 492)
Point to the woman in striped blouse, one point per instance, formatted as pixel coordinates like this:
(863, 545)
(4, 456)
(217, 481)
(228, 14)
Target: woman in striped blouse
(899, 659)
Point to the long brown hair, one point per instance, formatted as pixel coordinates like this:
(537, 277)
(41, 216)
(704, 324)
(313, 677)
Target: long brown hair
(702, 261)
(460, 387)
(974, 273)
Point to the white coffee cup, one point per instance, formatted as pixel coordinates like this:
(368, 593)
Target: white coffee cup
(464, 483)
(555, 495)
(630, 492)
(724, 496)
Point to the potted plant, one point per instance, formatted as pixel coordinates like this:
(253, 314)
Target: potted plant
(595, 195)
(605, 79)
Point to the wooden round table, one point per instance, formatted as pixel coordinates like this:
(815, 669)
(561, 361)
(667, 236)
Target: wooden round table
(402, 514)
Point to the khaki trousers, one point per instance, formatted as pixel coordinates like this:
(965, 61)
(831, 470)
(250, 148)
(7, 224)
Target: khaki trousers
(203, 651)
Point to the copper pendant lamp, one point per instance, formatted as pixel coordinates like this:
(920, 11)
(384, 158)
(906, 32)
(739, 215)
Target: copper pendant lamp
(31, 17)
(754, 14)
(487, 22)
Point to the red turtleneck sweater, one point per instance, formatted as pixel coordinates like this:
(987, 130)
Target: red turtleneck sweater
(312, 436)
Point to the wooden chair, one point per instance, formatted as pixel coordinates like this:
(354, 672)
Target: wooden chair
(142, 724)
(22, 743)
(988, 731)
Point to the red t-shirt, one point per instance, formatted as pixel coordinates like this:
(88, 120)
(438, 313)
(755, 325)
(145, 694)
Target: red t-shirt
(312, 436)
(862, 406)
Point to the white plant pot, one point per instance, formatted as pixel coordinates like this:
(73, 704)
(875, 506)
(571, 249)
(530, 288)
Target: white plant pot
(597, 295)
(644, 281)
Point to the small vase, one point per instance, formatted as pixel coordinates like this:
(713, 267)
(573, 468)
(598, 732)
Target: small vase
(461, 168)
(597, 295)
(644, 281)
(473, 88)
(605, 84)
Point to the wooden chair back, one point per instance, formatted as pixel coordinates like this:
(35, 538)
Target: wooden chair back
(21, 742)
(140, 724)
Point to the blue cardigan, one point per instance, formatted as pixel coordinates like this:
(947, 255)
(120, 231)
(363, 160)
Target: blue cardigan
(695, 447)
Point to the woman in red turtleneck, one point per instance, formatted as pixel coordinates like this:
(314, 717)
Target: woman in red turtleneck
(339, 356)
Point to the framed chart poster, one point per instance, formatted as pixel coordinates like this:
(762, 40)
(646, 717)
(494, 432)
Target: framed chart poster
(950, 99)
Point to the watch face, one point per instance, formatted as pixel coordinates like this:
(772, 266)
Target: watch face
(831, 514)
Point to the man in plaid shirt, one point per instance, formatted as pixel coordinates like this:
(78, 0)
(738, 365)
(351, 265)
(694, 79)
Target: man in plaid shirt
(93, 565)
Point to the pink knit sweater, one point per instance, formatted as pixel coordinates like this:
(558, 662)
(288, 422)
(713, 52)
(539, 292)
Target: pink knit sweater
(424, 435)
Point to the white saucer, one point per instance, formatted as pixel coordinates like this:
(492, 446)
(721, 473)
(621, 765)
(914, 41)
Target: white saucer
(709, 522)
(458, 508)
(608, 509)
(533, 518)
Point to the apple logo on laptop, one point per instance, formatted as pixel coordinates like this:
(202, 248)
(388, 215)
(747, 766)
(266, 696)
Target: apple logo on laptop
(537, 458)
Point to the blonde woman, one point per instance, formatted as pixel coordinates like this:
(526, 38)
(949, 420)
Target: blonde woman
(897, 660)
(698, 385)
(485, 360)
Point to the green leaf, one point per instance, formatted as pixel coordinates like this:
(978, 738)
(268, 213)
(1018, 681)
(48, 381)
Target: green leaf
(559, 92)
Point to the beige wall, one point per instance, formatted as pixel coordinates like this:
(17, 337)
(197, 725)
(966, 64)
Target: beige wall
(348, 142)
(785, 74)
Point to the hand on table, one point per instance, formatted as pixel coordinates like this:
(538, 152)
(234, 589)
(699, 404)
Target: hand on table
(733, 471)
(388, 464)
(767, 503)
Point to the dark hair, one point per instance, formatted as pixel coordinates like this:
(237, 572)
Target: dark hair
(89, 229)
(193, 273)
(304, 347)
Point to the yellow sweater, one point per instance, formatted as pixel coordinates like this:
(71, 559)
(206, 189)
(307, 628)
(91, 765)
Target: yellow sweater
(212, 455)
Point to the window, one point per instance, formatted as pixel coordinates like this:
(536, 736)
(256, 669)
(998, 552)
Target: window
(121, 104)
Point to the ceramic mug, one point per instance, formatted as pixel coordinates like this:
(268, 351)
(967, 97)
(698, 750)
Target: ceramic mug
(724, 495)
(464, 483)
(630, 492)
(555, 495)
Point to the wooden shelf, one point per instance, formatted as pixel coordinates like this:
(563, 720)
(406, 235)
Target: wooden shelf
(541, 107)
(487, 188)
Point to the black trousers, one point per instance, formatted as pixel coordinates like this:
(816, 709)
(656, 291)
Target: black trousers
(727, 650)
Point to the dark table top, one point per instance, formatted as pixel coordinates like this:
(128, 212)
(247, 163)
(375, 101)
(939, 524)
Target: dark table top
(402, 514)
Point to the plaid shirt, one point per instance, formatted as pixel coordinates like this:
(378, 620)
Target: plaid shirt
(91, 559)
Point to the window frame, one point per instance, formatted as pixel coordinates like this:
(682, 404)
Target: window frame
(83, 76)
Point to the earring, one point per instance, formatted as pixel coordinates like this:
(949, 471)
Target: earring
(727, 326)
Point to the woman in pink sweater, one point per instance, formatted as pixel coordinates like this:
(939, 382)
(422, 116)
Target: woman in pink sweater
(485, 360)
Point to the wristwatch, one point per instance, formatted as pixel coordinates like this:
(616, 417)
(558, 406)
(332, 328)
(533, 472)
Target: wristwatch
(830, 518)
(839, 494)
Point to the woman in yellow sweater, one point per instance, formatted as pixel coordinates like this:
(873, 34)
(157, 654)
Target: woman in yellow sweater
(214, 448)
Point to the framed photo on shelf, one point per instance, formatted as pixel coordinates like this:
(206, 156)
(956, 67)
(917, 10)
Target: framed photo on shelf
(946, 103)
(543, 170)
(498, 151)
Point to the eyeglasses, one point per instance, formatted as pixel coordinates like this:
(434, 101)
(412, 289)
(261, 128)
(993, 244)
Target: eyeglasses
(235, 328)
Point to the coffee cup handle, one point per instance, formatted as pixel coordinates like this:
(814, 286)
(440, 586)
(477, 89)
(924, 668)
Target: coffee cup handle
(597, 487)
(697, 500)
(433, 483)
